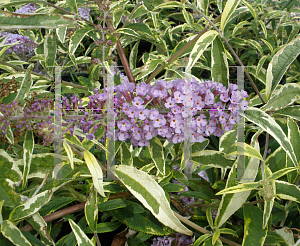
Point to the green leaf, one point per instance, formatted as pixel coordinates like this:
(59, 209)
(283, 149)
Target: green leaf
(292, 111)
(287, 191)
(95, 170)
(259, 65)
(133, 56)
(230, 203)
(69, 152)
(282, 172)
(104, 227)
(127, 32)
(254, 234)
(61, 33)
(280, 63)
(81, 238)
(285, 96)
(77, 37)
(230, 7)
(87, 144)
(226, 140)
(31, 206)
(27, 155)
(156, 150)
(73, 139)
(211, 158)
(200, 46)
(50, 50)
(9, 134)
(73, 5)
(202, 239)
(228, 231)
(216, 236)
(55, 204)
(268, 124)
(25, 86)
(1, 205)
(209, 217)
(203, 6)
(13, 234)
(219, 64)
(11, 21)
(91, 209)
(126, 157)
(268, 202)
(252, 11)
(141, 27)
(151, 195)
(196, 194)
(244, 149)
(287, 235)
(112, 204)
(256, 45)
(239, 188)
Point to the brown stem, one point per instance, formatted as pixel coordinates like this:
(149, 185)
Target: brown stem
(180, 52)
(119, 47)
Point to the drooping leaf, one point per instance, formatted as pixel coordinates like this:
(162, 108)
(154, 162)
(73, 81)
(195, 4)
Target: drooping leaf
(254, 234)
(151, 195)
(268, 124)
(12, 21)
(285, 96)
(81, 238)
(95, 171)
(27, 155)
(280, 63)
(13, 234)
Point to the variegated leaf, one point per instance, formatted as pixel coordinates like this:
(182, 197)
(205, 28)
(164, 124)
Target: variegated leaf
(27, 155)
(13, 234)
(81, 238)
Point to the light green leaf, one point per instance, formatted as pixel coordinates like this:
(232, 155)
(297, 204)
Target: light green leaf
(285, 96)
(268, 204)
(13, 234)
(61, 33)
(230, 7)
(69, 152)
(268, 124)
(280, 63)
(216, 236)
(77, 37)
(25, 86)
(73, 5)
(226, 140)
(126, 157)
(104, 227)
(142, 28)
(287, 235)
(1, 205)
(219, 64)
(201, 239)
(133, 56)
(128, 32)
(12, 21)
(230, 203)
(239, 188)
(50, 50)
(263, 27)
(228, 231)
(9, 134)
(151, 195)
(268, 44)
(239, 26)
(209, 217)
(256, 45)
(287, 191)
(259, 65)
(252, 11)
(244, 149)
(200, 46)
(282, 172)
(27, 155)
(73, 139)
(203, 6)
(211, 158)
(31, 206)
(95, 170)
(292, 111)
(91, 209)
(254, 234)
(156, 150)
(81, 238)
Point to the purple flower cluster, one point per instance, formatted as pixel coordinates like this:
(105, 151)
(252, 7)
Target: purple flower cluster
(179, 240)
(84, 13)
(25, 46)
(27, 9)
(144, 111)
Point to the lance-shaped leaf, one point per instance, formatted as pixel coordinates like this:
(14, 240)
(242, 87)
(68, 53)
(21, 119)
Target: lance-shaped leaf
(156, 150)
(229, 9)
(285, 96)
(282, 172)
(292, 111)
(202, 43)
(230, 203)
(219, 64)
(27, 155)
(50, 49)
(126, 156)
(239, 188)
(77, 38)
(73, 5)
(287, 191)
(11, 21)
(13, 234)
(95, 171)
(39, 224)
(32, 206)
(268, 201)
(151, 195)
(254, 234)
(25, 86)
(81, 238)
(268, 124)
(69, 152)
(211, 158)
(244, 149)
(61, 33)
(91, 209)
(9, 134)
(1, 205)
(280, 63)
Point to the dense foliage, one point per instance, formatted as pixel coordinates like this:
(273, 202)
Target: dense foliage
(121, 122)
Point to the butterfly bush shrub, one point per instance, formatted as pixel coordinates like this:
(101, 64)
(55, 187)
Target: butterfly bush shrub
(147, 195)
